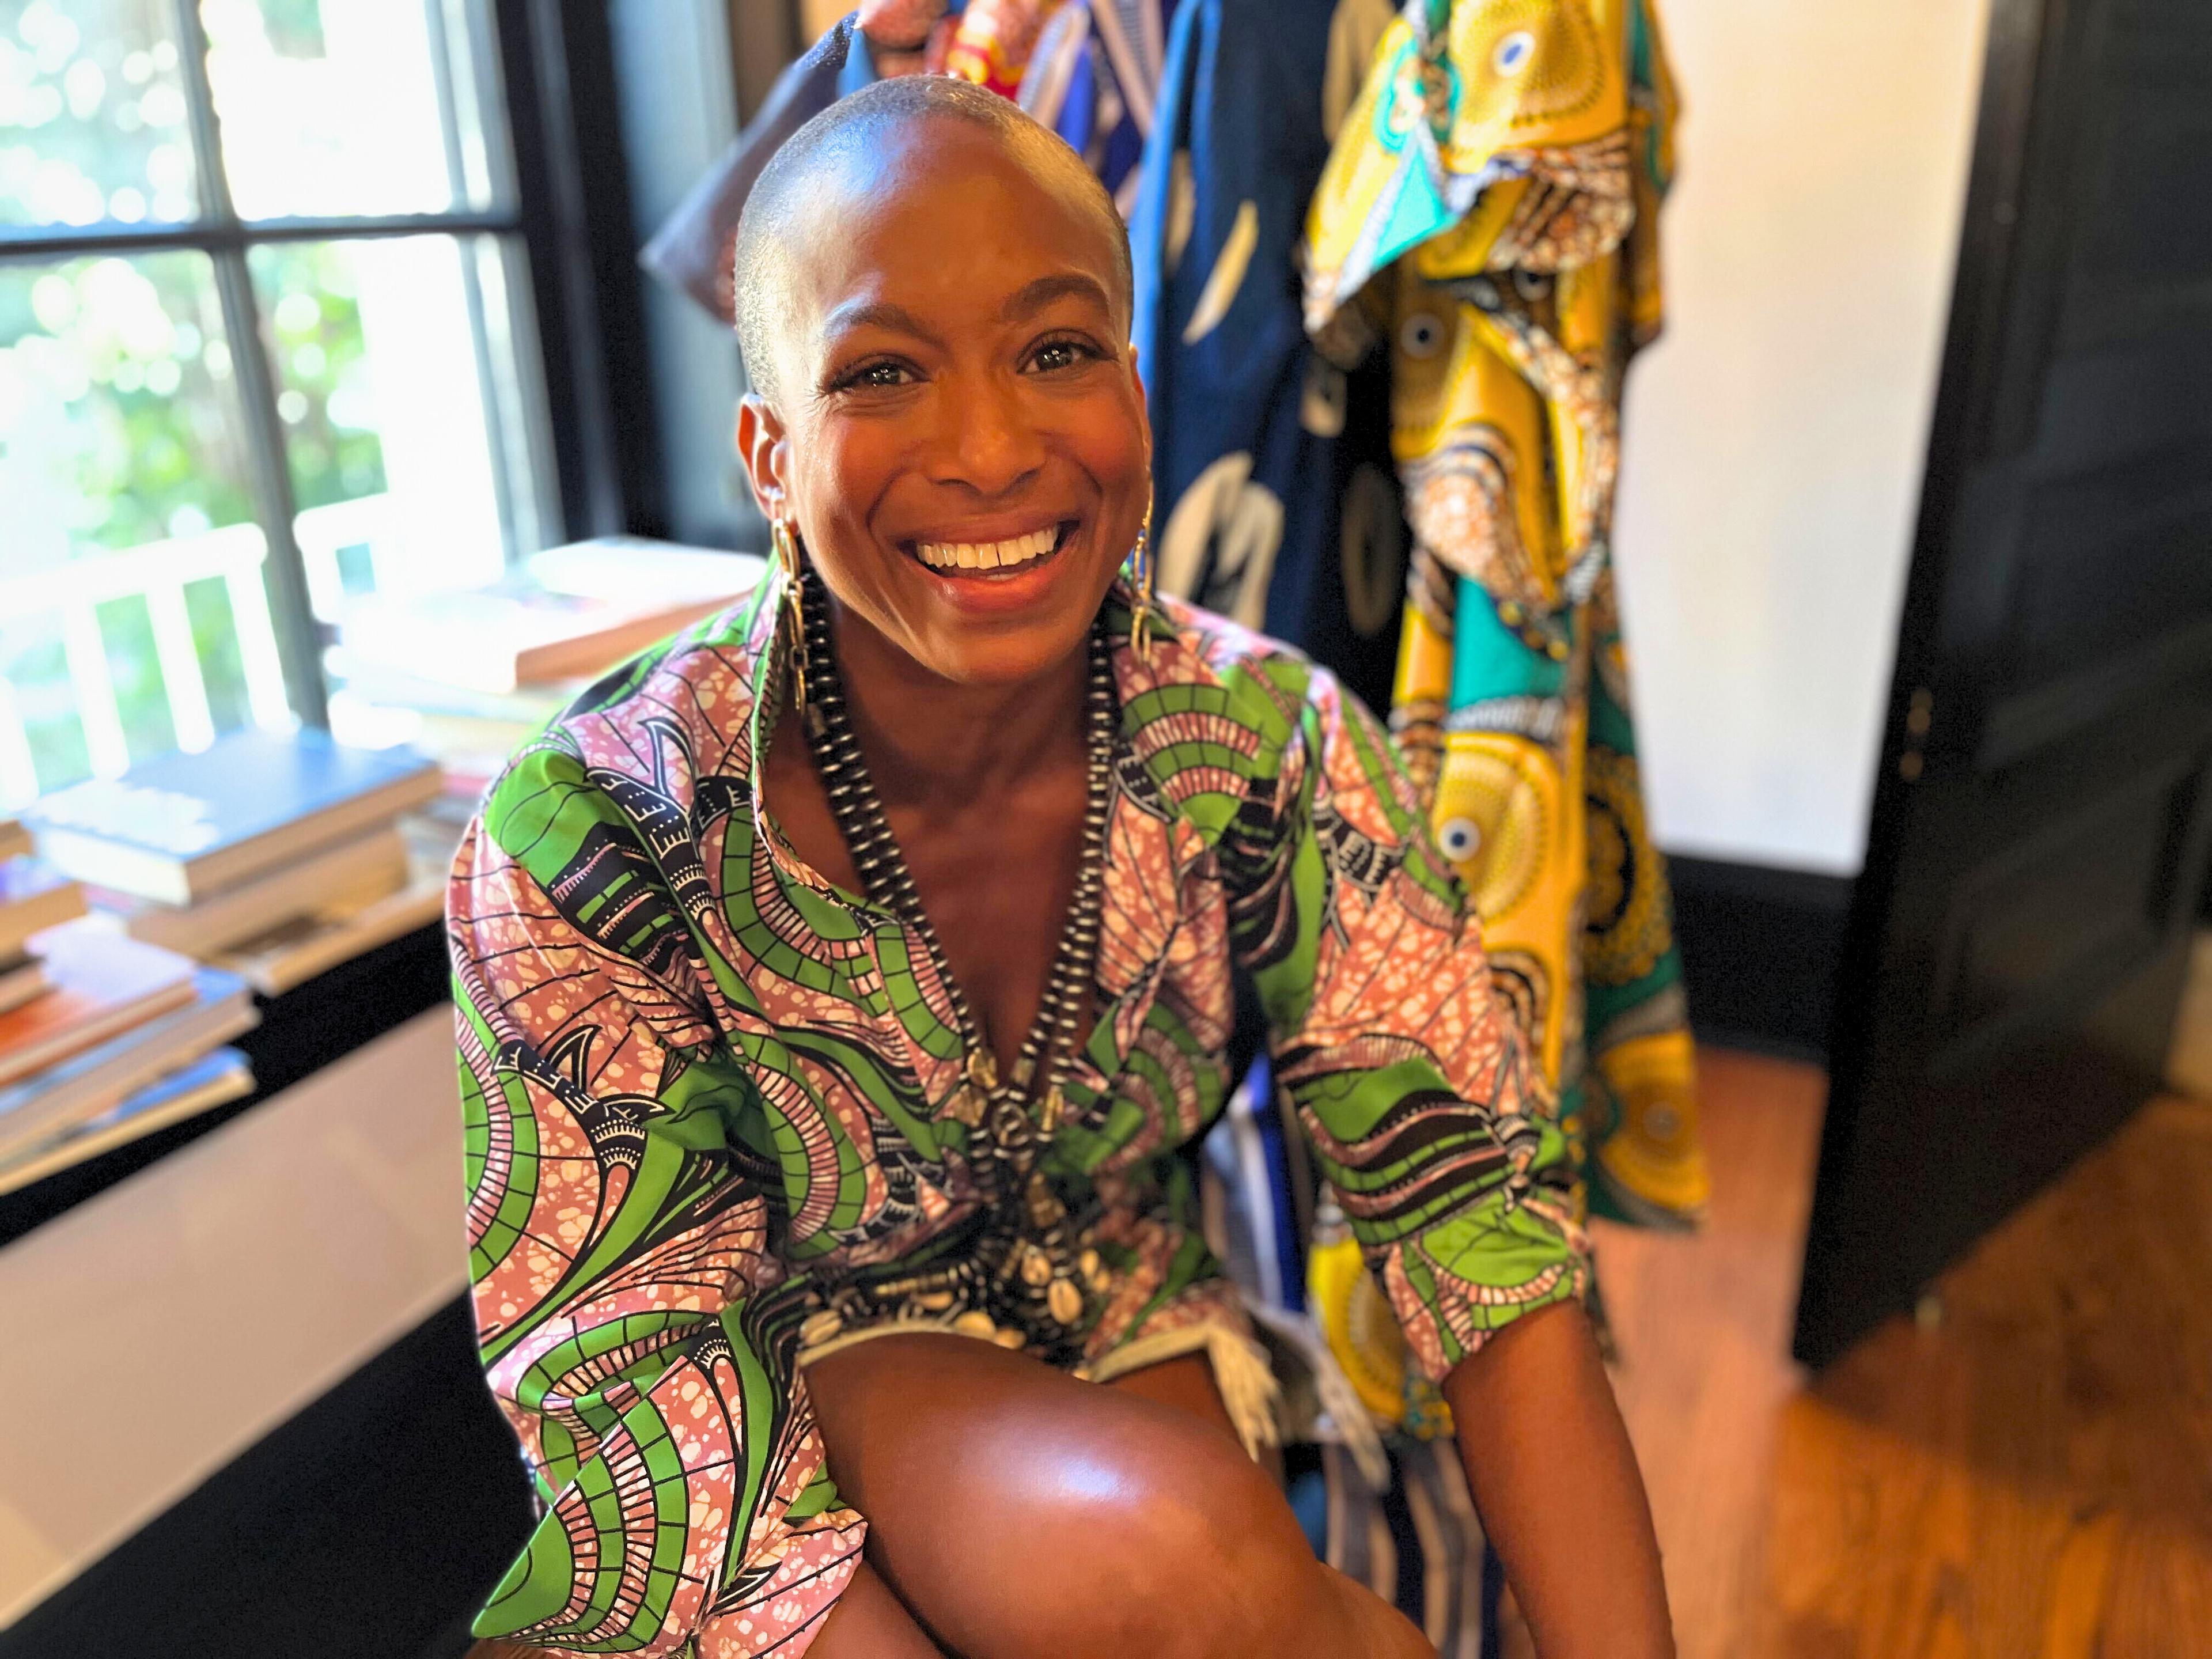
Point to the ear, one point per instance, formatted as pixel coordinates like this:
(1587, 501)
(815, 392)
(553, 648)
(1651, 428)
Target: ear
(764, 450)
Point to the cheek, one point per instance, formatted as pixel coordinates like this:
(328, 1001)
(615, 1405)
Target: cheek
(1109, 439)
(1114, 441)
(846, 467)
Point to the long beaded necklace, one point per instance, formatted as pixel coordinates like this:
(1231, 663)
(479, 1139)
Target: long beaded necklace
(1026, 1262)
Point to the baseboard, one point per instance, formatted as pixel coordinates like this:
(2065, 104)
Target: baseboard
(1761, 946)
(370, 1526)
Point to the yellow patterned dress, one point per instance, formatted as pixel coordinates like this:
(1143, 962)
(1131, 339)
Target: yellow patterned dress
(1490, 210)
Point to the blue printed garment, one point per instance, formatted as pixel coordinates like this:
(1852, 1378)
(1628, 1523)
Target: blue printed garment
(1095, 80)
(1276, 501)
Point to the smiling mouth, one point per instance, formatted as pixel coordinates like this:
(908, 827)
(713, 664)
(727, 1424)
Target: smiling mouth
(1012, 556)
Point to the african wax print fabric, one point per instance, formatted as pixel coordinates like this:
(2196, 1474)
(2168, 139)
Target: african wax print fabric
(1275, 502)
(714, 1103)
(991, 42)
(1094, 78)
(1490, 211)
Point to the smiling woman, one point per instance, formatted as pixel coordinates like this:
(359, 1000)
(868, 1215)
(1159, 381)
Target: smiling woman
(843, 982)
(918, 408)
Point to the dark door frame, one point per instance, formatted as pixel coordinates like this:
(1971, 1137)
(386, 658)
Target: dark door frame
(2030, 168)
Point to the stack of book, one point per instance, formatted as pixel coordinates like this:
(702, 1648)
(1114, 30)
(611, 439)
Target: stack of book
(469, 676)
(124, 1038)
(34, 896)
(276, 856)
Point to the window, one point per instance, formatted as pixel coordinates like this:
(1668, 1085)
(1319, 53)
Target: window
(266, 343)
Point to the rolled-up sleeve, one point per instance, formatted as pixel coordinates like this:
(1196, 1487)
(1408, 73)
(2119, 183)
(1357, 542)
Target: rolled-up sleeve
(624, 1289)
(1408, 1071)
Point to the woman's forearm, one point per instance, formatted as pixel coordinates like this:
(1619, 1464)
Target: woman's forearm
(1553, 1474)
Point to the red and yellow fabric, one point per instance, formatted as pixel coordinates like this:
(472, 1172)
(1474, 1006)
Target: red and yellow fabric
(992, 40)
(1489, 212)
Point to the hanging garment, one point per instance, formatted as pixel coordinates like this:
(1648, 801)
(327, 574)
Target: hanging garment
(992, 42)
(1094, 78)
(1274, 500)
(1490, 209)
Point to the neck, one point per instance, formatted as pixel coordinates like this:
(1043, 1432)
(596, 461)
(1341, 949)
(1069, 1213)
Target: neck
(930, 740)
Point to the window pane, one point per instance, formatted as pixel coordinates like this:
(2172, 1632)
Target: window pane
(382, 351)
(345, 106)
(91, 114)
(124, 495)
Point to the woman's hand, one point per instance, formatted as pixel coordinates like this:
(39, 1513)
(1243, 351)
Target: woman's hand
(1548, 1460)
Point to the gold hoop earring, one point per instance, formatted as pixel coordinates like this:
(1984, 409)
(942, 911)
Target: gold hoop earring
(1144, 576)
(789, 562)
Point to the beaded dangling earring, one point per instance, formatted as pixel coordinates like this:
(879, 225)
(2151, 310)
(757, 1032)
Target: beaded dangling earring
(785, 540)
(1144, 576)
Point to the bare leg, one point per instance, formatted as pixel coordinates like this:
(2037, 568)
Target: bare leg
(1015, 1511)
(869, 1622)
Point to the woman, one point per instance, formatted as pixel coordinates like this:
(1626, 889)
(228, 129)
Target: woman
(842, 983)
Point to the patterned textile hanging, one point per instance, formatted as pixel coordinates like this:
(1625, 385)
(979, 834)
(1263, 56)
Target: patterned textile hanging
(1271, 465)
(992, 42)
(1094, 78)
(1490, 209)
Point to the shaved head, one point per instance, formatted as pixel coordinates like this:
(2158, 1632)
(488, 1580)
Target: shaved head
(846, 142)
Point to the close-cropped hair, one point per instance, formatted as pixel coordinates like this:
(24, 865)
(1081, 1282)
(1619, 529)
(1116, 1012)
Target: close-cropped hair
(789, 185)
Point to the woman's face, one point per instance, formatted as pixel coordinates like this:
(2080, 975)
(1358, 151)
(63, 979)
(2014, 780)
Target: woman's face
(957, 432)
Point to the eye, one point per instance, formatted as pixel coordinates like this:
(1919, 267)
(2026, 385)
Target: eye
(879, 375)
(1054, 355)
(1514, 52)
(1460, 839)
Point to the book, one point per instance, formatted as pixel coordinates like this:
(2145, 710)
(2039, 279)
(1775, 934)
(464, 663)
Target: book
(37, 1108)
(185, 826)
(34, 896)
(569, 612)
(103, 984)
(391, 688)
(21, 978)
(366, 868)
(297, 951)
(216, 1078)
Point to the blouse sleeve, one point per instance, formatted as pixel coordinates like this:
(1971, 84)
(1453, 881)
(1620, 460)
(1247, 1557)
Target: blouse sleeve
(619, 1252)
(1408, 1071)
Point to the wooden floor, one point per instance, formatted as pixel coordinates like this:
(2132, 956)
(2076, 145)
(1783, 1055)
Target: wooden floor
(2025, 1475)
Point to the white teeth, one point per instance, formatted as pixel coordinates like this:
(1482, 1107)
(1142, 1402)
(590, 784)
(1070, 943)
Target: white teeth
(989, 555)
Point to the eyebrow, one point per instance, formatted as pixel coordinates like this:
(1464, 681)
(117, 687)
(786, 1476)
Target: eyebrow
(1030, 299)
(1036, 296)
(857, 314)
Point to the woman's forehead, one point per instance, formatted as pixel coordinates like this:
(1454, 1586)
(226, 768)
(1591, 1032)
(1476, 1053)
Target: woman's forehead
(944, 208)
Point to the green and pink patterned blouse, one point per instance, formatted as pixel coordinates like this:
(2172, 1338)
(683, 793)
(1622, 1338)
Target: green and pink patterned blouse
(707, 1094)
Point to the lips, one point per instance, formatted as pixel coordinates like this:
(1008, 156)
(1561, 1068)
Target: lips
(1002, 555)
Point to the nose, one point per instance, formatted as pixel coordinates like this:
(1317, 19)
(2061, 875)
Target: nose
(989, 444)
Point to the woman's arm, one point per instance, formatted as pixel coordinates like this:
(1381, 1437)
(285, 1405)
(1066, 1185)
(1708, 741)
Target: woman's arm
(1548, 1460)
(1444, 1145)
(618, 1247)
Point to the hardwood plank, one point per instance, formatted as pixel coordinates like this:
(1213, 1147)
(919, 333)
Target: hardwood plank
(2027, 1475)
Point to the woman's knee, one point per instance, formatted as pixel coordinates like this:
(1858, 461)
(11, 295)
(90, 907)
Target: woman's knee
(1201, 1546)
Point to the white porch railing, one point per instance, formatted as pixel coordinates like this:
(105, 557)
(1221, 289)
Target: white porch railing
(158, 573)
